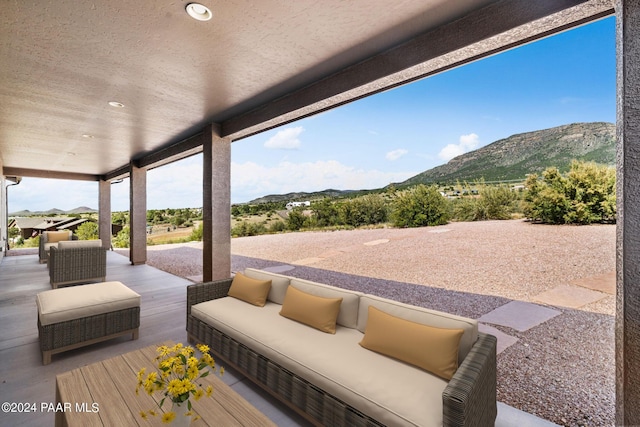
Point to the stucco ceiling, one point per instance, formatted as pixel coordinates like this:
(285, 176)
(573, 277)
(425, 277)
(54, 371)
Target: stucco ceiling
(254, 65)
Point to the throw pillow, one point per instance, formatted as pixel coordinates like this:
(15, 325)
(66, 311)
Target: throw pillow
(250, 290)
(318, 312)
(433, 349)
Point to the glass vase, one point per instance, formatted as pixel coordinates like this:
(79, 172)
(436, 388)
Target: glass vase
(180, 409)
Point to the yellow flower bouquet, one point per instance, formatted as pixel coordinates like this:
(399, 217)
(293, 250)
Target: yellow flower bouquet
(177, 378)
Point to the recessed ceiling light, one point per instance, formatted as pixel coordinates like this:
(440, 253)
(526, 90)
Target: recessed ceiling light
(87, 135)
(199, 12)
(116, 104)
(69, 153)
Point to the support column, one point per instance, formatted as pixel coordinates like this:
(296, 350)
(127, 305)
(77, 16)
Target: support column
(216, 205)
(104, 213)
(628, 210)
(138, 215)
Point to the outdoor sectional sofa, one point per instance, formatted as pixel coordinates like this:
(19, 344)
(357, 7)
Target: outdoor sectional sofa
(328, 376)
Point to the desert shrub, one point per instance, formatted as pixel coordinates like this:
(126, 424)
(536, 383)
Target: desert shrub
(419, 206)
(326, 213)
(196, 233)
(121, 240)
(32, 242)
(365, 210)
(296, 219)
(277, 227)
(245, 228)
(87, 231)
(585, 195)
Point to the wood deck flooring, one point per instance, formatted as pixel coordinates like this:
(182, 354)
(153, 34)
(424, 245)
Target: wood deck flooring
(23, 378)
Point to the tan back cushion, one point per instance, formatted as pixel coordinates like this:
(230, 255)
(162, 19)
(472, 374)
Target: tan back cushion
(57, 236)
(250, 290)
(65, 244)
(317, 312)
(348, 315)
(279, 283)
(433, 349)
(423, 316)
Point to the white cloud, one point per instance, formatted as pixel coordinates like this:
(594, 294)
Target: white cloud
(179, 185)
(250, 180)
(285, 139)
(396, 154)
(467, 143)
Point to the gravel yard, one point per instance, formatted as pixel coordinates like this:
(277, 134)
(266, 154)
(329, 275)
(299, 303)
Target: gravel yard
(562, 370)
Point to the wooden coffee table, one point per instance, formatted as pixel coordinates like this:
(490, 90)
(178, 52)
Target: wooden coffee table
(103, 394)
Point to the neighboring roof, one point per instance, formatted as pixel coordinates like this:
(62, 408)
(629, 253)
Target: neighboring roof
(52, 222)
(39, 223)
(73, 223)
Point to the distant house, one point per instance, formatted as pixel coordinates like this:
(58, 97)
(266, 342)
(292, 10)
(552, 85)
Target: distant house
(292, 205)
(33, 226)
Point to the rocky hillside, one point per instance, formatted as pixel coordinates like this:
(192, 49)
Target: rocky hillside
(532, 152)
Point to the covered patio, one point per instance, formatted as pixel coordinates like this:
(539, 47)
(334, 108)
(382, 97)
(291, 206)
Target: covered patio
(109, 90)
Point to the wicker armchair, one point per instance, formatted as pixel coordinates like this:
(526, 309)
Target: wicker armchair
(49, 239)
(76, 262)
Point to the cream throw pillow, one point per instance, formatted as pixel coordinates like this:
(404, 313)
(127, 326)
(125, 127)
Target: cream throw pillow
(318, 312)
(250, 290)
(432, 349)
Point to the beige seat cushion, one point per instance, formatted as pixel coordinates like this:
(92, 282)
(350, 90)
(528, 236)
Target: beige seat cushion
(80, 244)
(393, 392)
(60, 305)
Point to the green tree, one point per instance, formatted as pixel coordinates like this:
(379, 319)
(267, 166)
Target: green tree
(420, 206)
(296, 219)
(365, 210)
(585, 195)
(87, 231)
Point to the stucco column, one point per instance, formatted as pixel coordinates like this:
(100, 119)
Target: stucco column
(104, 213)
(138, 215)
(216, 205)
(628, 221)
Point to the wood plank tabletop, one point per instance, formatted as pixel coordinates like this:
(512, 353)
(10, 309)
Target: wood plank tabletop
(103, 394)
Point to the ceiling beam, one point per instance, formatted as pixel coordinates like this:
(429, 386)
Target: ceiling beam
(37, 173)
(492, 29)
(185, 148)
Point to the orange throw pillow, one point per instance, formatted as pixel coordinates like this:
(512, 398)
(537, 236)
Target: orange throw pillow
(318, 312)
(433, 349)
(250, 290)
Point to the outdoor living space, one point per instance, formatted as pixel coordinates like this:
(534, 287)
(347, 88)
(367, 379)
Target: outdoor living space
(549, 353)
(25, 379)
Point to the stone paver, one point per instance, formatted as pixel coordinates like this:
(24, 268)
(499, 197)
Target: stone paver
(519, 315)
(307, 261)
(504, 340)
(279, 268)
(604, 283)
(376, 242)
(569, 296)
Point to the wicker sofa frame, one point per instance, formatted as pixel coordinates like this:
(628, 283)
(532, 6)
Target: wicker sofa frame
(468, 400)
(63, 336)
(43, 254)
(77, 265)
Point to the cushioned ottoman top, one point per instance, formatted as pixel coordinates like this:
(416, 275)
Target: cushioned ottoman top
(60, 305)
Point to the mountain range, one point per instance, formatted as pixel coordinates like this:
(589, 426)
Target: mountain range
(507, 159)
(54, 211)
(517, 156)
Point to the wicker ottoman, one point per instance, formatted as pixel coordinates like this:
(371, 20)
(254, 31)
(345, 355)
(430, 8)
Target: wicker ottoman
(73, 317)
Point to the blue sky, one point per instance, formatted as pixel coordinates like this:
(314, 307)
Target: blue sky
(391, 136)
